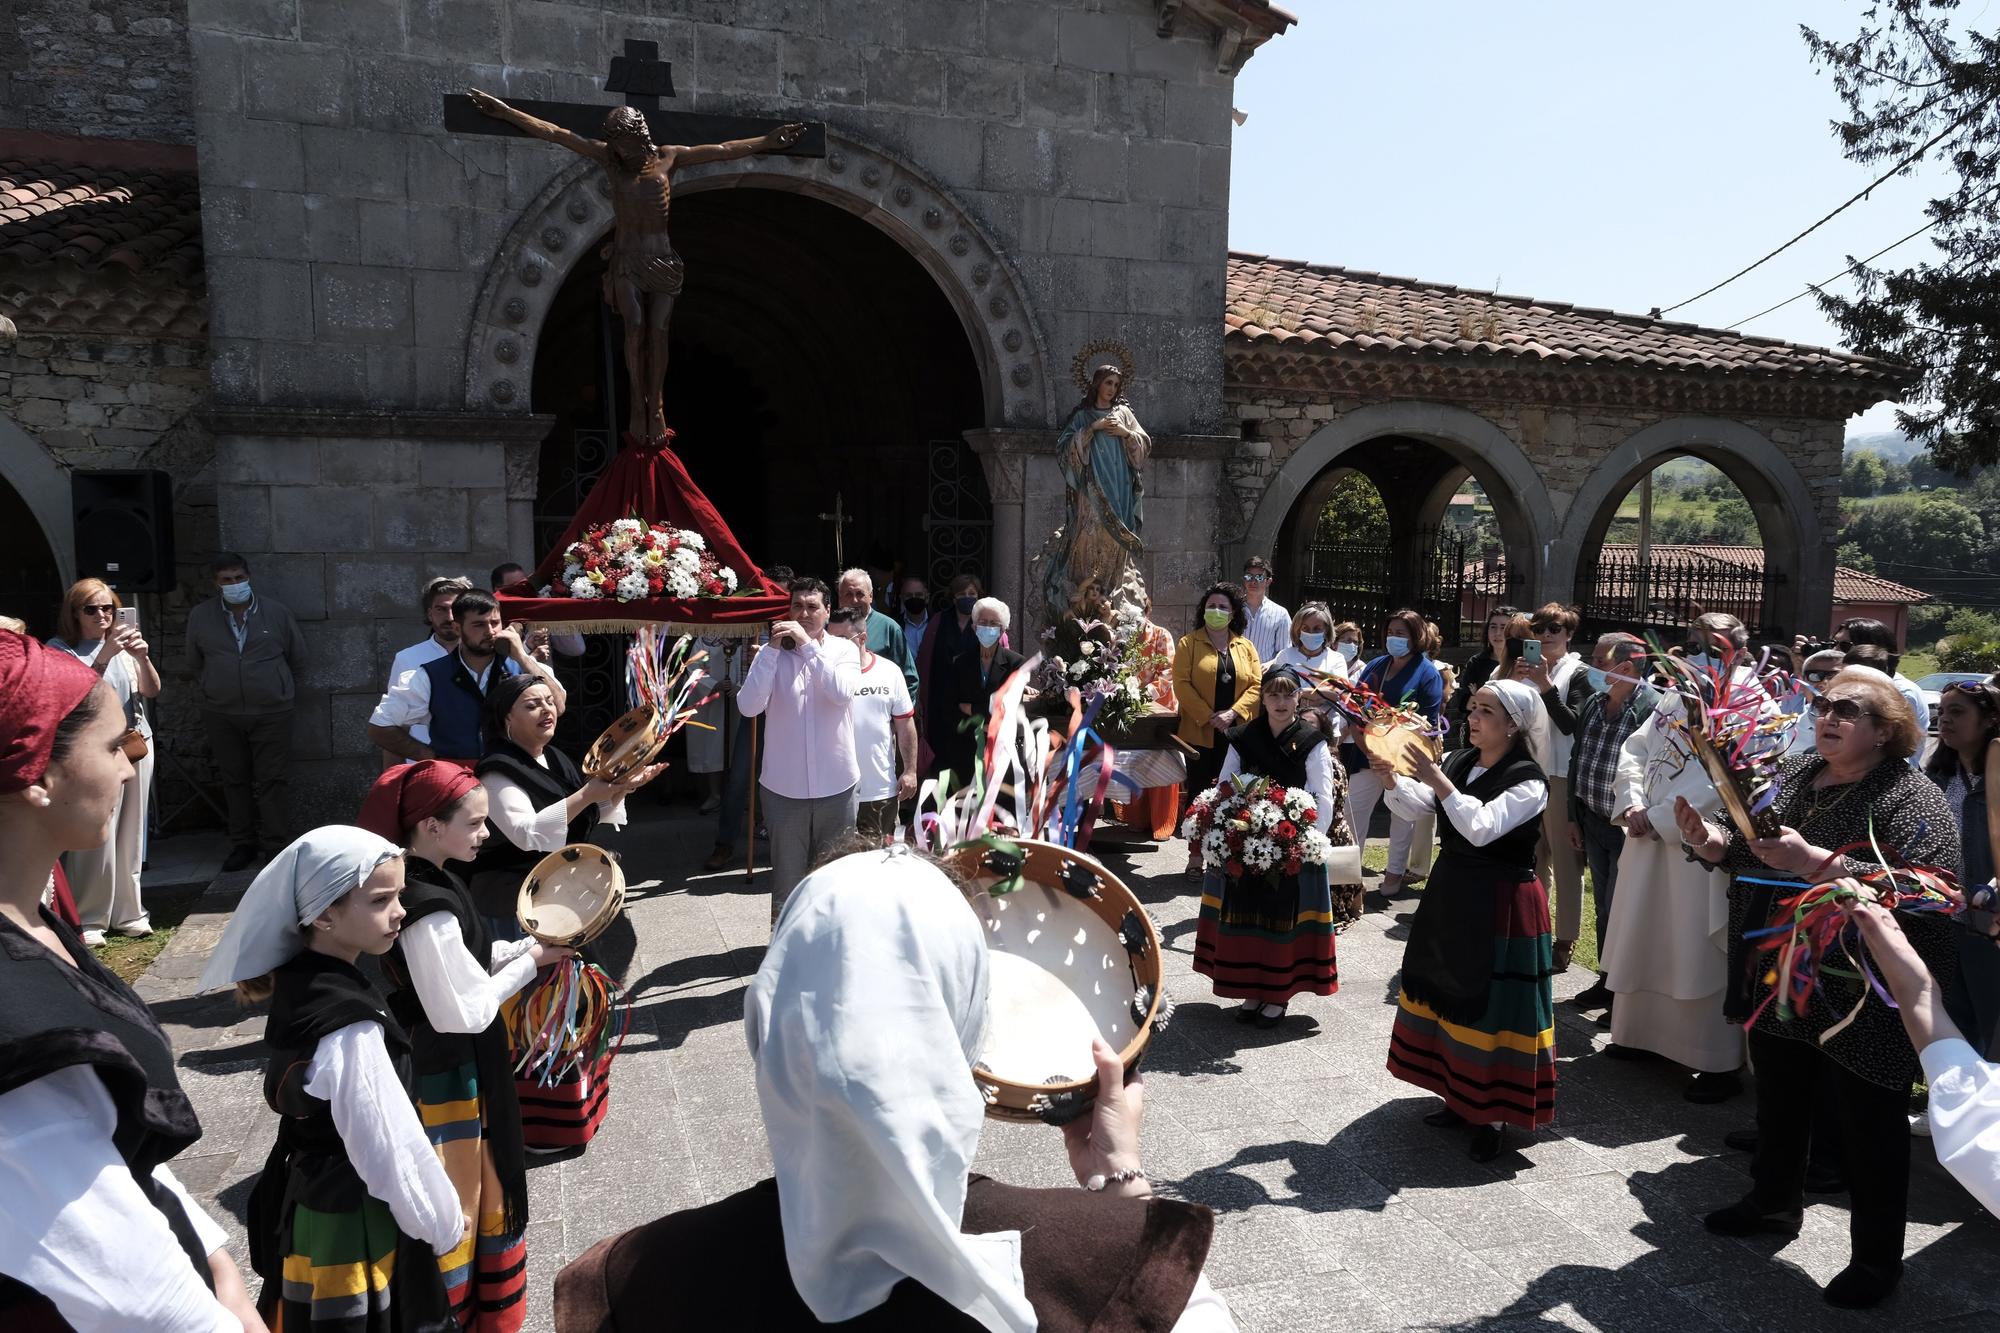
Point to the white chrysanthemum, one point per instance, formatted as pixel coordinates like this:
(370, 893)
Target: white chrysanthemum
(1215, 847)
(1264, 815)
(583, 587)
(1260, 853)
(632, 587)
(1314, 847)
(689, 537)
(685, 557)
(572, 572)
(1078, 669)
(631, 526)
(1299, 804)
(728, 577)
(681, 582)
(1190, 828)
(634, 559)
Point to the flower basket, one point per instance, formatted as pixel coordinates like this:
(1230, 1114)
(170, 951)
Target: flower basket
(1253, 829)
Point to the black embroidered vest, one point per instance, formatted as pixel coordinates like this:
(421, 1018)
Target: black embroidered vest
(1514, 849)
(1281, 758)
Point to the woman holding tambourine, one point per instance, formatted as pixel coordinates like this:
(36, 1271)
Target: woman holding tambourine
(1833, 808)
(448, 979)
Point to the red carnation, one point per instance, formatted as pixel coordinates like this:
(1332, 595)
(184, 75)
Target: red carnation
(1286, 830)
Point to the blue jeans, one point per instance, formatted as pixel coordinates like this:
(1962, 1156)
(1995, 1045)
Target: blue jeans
(1602, 843)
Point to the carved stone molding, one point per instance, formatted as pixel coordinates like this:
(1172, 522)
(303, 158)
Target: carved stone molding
(570, 215)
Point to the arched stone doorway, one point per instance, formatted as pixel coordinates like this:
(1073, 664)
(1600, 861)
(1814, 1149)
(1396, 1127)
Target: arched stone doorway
(1416, 455)
(1796, 573)
(36, 545)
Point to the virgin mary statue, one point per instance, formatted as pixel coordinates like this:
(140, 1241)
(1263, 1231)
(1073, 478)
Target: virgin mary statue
(1100, 451)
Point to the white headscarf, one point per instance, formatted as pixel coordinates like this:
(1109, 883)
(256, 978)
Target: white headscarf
(1525, 707)
(299, 884)
(864, 1021)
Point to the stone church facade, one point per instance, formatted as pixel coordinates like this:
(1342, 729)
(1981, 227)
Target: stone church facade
(405, 360)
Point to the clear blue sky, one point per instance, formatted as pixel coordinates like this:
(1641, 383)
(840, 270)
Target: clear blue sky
(1611, 154)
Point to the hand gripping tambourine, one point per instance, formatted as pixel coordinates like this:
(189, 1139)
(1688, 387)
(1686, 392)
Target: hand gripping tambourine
(630, 743)
(1074, 956)
(571, 895)
(1399, 739)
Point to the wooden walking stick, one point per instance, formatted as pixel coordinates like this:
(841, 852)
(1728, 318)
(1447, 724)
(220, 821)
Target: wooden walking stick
(750, 824)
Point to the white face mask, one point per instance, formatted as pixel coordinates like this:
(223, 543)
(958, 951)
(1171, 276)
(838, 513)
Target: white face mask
(1397, 646)
(1350, 650)
(236, 594)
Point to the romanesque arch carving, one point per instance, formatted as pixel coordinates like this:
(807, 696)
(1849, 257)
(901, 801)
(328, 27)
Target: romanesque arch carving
(43, 484)
(1786, 513)
(1520, 500)
(571, 214)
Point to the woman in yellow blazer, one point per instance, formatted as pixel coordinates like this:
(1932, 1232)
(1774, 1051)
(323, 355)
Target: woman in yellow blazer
(1216, 674)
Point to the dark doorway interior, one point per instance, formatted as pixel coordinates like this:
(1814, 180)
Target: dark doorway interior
(31, 586)
(812, 359)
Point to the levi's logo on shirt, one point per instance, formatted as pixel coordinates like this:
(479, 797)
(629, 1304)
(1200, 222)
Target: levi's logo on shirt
(873, 691)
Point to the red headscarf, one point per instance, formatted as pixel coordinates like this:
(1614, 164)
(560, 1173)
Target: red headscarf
(408, 794)
(38, 689)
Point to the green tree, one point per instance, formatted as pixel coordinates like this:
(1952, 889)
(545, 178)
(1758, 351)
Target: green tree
(1733, 523)
(1854, 557)
(1895, 477)
(1862, 474)
(1354, 514)
(1920, 82)
(1932, 530)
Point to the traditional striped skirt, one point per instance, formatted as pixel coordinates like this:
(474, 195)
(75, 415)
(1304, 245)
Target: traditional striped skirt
(1500, 1067)
(486, 1277)
(1267, 942)
(341, 1275)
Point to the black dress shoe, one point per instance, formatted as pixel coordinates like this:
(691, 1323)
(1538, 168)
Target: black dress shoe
(1596, 996)
(1265, 1020)
(1711, 1089)
(1488, 1141)
(1744, 1218)
(240, 856)
(1859, 1286)
(1742, 1140)
(1445, 1118)
(1247, 1014)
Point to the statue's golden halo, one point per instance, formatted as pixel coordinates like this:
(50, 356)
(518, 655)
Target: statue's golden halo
(1094, 354)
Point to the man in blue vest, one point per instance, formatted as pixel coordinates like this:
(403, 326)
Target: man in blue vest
(448, 695)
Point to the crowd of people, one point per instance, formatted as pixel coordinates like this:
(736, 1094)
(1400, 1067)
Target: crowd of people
(395, 1197)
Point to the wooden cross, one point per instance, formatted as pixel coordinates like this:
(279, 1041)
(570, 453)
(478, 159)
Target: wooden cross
(840, 518)
(643, 78)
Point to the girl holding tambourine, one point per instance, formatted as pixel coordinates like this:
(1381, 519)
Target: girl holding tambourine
(450, 979)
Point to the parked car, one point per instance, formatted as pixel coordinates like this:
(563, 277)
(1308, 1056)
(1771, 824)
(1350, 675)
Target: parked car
(1933, 686)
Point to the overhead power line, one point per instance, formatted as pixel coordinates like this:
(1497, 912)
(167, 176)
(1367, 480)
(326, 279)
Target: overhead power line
(1814, 287)
(1927, 145)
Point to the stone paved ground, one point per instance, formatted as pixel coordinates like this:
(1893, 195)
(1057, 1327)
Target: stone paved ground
(1336, 1208)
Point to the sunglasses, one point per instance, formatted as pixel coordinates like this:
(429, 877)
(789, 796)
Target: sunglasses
(103, 609)
(1816, 677)
(1256, 578)
(1845, 710)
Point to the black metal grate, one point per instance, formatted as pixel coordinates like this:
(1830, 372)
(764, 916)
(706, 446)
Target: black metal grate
(1365, 582)
(1671, 589)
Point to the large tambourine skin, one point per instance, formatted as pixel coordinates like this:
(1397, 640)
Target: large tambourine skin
(632, 741)
(571, 895)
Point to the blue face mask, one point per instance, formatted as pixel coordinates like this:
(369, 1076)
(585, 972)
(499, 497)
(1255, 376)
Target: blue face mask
(1312, 643)
(1596, 678)
(988, 635)
(236, 594)
(1350, 651)
(1705, 661)
(1397, 646)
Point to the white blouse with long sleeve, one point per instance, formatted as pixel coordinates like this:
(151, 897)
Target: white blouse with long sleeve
(1965, 1116)
(385, 1141)
(1480, 821)
(1319, 779)
(76, 1227)
(458, 994)
(513, 812)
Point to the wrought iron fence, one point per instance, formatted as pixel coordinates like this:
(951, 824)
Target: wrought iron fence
(1366, 582)
(1618, 592)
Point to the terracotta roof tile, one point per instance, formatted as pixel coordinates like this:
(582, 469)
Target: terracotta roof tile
(141, 219)
(1849, 585)
(1351, 313)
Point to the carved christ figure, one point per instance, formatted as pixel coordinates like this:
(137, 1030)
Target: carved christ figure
(645, 275)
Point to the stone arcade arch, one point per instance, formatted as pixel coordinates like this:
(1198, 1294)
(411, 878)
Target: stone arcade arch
(1521, 502)
(568, 217)
(38, 550)
(1787, 516)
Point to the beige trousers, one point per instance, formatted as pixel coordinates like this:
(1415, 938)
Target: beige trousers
(1559, 865)
(105, 880)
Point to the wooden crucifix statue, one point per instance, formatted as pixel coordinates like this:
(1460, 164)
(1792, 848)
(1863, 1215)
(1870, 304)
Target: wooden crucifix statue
(645, 275)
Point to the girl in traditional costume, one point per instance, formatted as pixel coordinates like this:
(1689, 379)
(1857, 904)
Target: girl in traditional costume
(1475, 1019)
(353, 1210)
(1264, 941)
(449, 979)
(95, 1233)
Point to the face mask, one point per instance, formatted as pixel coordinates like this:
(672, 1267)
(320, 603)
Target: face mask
(1350, 651)
(1703, 660)
(965, 605)
(1312, 643)
(988, 635)
(236, 593)
(1397, 646)
(1215, 617)
(916, 608)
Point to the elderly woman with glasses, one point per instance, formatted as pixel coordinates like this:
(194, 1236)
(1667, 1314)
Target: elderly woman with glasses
(1964, 765)
(1844, 1046)
(105, 879)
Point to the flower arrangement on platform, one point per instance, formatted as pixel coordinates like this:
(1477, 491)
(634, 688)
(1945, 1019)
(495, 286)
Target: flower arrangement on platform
(630, 560)
(1253, 828)
(1098, 661)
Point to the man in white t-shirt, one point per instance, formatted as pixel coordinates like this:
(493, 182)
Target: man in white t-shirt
(439, 596)
(885, 725)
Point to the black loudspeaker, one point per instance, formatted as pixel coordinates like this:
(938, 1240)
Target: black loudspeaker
(124, 528)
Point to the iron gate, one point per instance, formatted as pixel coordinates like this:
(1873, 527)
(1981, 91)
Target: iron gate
(1617, 592)
(958, 518)
(1365, 582)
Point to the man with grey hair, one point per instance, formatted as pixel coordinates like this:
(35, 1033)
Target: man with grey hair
(885, 636)
(1619, 703)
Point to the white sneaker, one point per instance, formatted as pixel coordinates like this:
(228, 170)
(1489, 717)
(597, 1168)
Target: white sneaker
(94, 938)
(136, 929)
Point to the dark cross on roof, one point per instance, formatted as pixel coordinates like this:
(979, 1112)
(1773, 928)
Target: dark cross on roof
(840, 518)
(643, 79)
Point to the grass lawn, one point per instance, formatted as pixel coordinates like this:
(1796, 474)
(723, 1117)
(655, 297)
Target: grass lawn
(1918, 664)
(130, 957)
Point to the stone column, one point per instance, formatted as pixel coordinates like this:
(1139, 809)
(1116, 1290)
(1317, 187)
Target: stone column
(1004, 455)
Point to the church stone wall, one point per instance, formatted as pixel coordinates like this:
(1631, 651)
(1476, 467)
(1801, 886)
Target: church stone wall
(117, 69)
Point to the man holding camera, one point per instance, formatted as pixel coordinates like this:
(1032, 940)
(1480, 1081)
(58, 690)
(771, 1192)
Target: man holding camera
(802, 684)
(448, 694)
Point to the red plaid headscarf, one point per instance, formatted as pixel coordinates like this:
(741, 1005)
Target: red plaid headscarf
(38, 689)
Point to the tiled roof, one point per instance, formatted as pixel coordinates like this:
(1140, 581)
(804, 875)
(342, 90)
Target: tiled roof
(129, 218)
(1849, 585)
(107, 241)
(1317, 313)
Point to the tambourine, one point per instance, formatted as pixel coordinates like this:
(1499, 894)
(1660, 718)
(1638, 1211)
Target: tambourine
(571, 895)
(1074, 956)
(1399, 741)
(630, 743)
